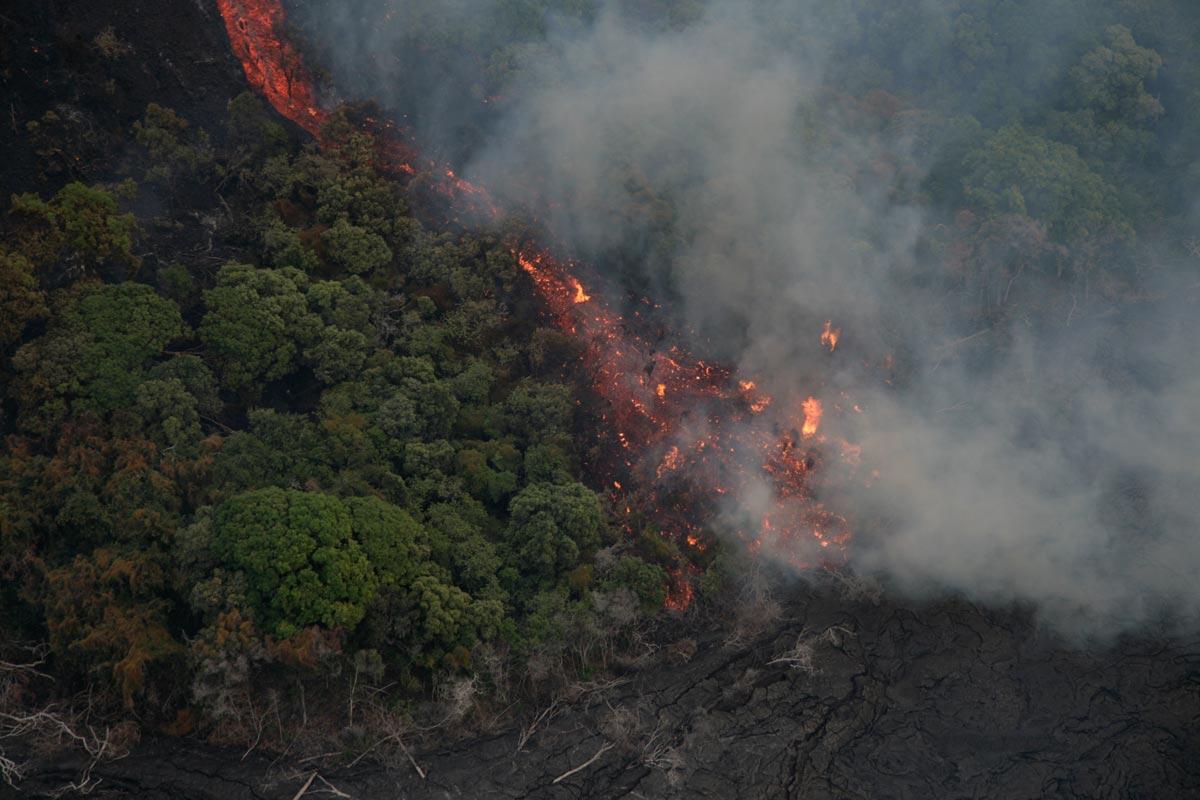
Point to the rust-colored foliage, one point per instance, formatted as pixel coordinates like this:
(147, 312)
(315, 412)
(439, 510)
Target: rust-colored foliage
(107, 610)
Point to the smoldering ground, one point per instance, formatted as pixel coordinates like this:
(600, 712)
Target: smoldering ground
(1029, 438)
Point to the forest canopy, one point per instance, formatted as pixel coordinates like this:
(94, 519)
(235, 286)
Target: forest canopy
(272, 416)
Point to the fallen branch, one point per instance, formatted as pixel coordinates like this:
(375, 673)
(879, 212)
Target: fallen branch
(395, 737)
(604, 748)
(411, 760)
(336, 792)
(548, 713)
(304, 788)
(49, 726)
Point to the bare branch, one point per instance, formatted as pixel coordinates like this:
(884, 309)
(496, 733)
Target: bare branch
(304, 788)
(604, 748)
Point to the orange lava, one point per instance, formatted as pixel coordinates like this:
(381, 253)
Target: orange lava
(272, 65)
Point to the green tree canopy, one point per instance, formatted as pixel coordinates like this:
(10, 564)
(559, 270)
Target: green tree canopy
(257, 323)
(81, 224)
(1111, 79)
(302, 563)
(354, 249)
(394, 542)
(1018, 172)
(94, 356)
(21, 301)
(552, 526)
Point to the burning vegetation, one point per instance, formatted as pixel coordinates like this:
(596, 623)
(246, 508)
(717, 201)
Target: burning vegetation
(691, 444)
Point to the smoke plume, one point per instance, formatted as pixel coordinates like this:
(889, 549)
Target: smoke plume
(733, 161)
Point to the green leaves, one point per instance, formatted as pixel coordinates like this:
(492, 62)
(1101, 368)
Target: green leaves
(312, 559)
(354, 249)
(552, 526)
(94, 357)
(299, 555)
(262, 324)
(174, 149)
(21, 301)
(394, 542)
(80, 224)
(257, 322)
(1018, 172)
(1111, 78)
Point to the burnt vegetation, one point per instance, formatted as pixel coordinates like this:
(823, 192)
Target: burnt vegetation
(293, 464)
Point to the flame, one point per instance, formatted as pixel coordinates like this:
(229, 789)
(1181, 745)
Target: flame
(812, 416)
(580, 295)
(679, 596)
(830, 335)
(682, 433)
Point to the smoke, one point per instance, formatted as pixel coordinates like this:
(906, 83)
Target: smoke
(732, 161)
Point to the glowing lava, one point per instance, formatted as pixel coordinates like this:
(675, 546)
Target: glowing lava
(272, 65)
(689, 442)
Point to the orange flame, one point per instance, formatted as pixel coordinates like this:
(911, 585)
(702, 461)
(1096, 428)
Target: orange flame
(272, 65)
(830, 336)
(580, 295)
(812, 416)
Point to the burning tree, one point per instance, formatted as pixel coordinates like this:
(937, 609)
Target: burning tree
(688, 443)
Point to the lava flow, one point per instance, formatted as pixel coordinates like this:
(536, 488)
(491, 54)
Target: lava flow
(272, 65)
(692, 446)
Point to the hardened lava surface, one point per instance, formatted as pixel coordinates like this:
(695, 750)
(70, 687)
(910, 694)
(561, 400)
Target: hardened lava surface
(888, 701)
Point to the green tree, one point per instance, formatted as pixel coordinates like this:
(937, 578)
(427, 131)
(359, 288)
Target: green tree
(167, 412)
(21, 300)
(345, 304)
(337, 354)
(175, 150)
(256, 325)
(1018, 172)
(440, 617)
(80, 227)
(94, 357)
(553, 526)
(196, 377)
(251, 128)
(1111, 79)
(539, 411)
(354, 249)
(648, 582)
(302, 563)
(394, 542)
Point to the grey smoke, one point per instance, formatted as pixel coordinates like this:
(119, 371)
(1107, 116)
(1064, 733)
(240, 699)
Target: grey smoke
(1056, 466)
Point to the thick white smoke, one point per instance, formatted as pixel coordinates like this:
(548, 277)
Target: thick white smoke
(1046, 456)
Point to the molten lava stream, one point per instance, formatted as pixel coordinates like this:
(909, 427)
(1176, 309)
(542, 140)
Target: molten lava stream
(689, 441)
